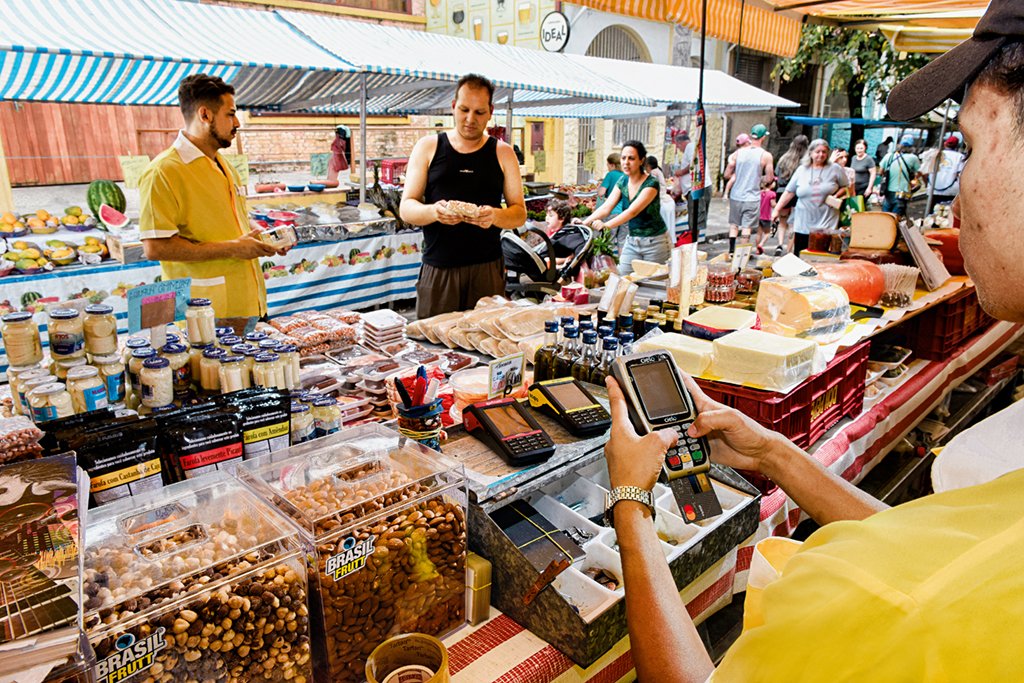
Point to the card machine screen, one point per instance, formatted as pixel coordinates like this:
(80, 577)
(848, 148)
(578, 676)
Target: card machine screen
(568, 394)
(658, 391)
(508, 421)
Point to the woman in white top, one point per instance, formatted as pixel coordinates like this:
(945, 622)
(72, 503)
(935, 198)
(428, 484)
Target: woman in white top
(668, 204)
(813, 184)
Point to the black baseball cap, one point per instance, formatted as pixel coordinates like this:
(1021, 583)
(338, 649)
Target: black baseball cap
(948, 75)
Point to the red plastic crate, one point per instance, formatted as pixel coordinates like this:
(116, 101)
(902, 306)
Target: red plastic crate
(811, 409)
(392, 169)
(939, 331)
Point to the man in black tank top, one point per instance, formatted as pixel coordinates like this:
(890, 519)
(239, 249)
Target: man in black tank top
(446, 172)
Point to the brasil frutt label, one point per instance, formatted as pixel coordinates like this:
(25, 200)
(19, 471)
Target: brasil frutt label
(131, 657)
(352, 557)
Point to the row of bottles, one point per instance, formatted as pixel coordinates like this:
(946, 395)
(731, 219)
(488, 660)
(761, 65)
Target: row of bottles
(582, 352)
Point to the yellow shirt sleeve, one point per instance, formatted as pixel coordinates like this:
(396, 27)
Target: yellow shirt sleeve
(161, 212)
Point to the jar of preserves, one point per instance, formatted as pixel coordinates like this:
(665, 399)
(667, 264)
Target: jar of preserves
(62, 366)
(254, 337)
(326, 416)
(87, 389)
(227, 341)
(302, 423)
(15, 375)
(29, 380)
(67, 335)
(248, 353)
(230, 374)
(112, 372)
(181, 368)
(100, 328)
(269, 345)
(130, 346)
(209, 370)
(21, 339)
(156, 382)
(199, 321)
(224, 331)
(819, 240)
(748, 281)
(49, 402)
(267, 371)
(290, 363)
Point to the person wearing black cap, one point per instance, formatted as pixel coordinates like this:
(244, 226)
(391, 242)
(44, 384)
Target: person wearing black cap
(930, 590)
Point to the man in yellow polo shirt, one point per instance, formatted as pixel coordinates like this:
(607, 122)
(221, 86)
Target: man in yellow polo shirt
(194, 219)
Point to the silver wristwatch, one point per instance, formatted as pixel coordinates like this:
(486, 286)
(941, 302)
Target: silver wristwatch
(627, 493)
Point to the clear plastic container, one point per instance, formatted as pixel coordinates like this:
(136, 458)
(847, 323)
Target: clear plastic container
(204, 580)
(114, 377)
(62, 366)
(88, 390)
(326, 416)
(385, 519)
(21, 339)
(66, 333)
(281, 237)
(230, 374)
(302, 423)
(199, 322)
(100, 327)
(49, 402)
(181, 368)
(209, 370)
(156, 382)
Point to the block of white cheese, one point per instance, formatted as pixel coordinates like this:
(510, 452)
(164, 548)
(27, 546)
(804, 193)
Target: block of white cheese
(763, 360)
(873, 230)
(714, 321)
(693, 356)
(803, 307)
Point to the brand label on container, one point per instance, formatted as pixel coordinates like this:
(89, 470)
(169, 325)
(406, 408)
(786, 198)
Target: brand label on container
(95, 397)
(115, 387)
(44, 414)
(352, 558)
(824, 402)
(325, 427)
(65, 344)
(132, 657)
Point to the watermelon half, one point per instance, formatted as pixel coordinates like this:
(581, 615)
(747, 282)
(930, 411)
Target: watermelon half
(112, 218)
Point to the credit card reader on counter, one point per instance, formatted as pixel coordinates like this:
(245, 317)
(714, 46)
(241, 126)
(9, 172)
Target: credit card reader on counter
(507, 427)
(572, 405)
(658, 399)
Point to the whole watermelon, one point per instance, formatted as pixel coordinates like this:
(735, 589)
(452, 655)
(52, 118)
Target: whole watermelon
(104, 192)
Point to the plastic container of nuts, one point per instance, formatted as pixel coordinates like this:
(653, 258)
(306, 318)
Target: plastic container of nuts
(200, 581)
(387, 519)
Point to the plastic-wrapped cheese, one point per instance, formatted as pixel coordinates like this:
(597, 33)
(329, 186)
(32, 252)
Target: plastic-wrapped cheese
(762, 359)
(803, 307)
(692, 355)
(714, 321)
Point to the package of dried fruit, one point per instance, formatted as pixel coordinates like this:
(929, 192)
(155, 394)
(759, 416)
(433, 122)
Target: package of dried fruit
(387, 519)
(200, 581)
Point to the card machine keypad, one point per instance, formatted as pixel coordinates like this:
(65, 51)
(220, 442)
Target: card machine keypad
(688, 453)
(528, 443)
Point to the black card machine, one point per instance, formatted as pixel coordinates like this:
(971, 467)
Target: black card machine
(658, 399)
(571, 404)
(507, 427)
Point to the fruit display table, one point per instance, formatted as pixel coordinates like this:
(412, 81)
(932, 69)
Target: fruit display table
(357, 273)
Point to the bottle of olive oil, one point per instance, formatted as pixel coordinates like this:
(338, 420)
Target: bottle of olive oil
(588, 360)
(544, 359)
(568, 353)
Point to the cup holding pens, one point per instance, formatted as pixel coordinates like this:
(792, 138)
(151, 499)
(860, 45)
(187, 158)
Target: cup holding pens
(421, 423)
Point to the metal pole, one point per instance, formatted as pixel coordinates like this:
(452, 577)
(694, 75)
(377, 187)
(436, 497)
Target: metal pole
(362, 138)
(937, 162)
(508, 118)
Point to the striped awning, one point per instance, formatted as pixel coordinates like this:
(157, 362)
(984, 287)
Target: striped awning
(734, 21)
(927, 40)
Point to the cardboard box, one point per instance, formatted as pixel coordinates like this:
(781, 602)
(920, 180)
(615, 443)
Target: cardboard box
(126, 247)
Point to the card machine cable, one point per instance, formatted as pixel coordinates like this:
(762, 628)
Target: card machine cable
(507, 427)
(572, 405)
(658, 399)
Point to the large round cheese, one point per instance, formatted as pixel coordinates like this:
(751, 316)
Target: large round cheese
(862, 280)
(803, 307)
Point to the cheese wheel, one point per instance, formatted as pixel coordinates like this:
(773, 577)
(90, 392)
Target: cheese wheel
(803, 307)
(873, 230)
(950, 249)
(862, 280)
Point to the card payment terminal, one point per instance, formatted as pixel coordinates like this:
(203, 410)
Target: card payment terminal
(507, 427)
(658, 399)
(567, 401)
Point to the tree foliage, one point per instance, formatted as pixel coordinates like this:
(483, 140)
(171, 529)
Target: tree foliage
(865, 61)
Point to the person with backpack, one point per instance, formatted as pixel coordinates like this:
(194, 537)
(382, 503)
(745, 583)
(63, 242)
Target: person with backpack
(898, 175)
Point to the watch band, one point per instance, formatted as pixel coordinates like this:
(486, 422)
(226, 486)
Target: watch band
(620, 493)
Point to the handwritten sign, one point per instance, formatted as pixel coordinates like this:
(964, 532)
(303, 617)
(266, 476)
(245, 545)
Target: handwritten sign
(241, 164)
(158, 304)
(318, 165)
(132, 168)
(505, 375)
(540, 161)
(590, 159)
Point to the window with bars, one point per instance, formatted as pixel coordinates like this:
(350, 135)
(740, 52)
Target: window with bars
(751, 69)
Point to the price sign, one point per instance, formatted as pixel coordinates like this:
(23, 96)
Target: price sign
(132, 168)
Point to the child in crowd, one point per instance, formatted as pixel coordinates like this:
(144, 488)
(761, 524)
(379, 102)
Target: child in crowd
(764, 228)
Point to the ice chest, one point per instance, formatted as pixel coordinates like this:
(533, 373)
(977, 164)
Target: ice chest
(384, 519)
(198, 581)
(577, 613)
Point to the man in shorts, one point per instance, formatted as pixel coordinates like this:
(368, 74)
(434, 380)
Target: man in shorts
(748, 168)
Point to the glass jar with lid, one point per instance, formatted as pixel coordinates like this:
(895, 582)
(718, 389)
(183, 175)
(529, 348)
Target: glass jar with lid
(209, 370)
(326, 416)
(230, 374)
(49, 402)
(156, 382)
(269, 345)
(227, 341)
(139, 356)
(224, 331)
(112, 372)
(254, 337)
(67, 334)
(130, 345)
(199, 321)
(100, 327)
(88, 390)
(21, 339)
(302, 423)
(181, 368)
(248, 354)
(29, 380)
(15, 375)
(290, 362)
(268, 372)
(61, 367)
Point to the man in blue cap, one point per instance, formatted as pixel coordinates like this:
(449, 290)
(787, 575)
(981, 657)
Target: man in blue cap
(899, 171)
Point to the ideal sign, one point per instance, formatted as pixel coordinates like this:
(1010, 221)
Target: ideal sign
(554, 32)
